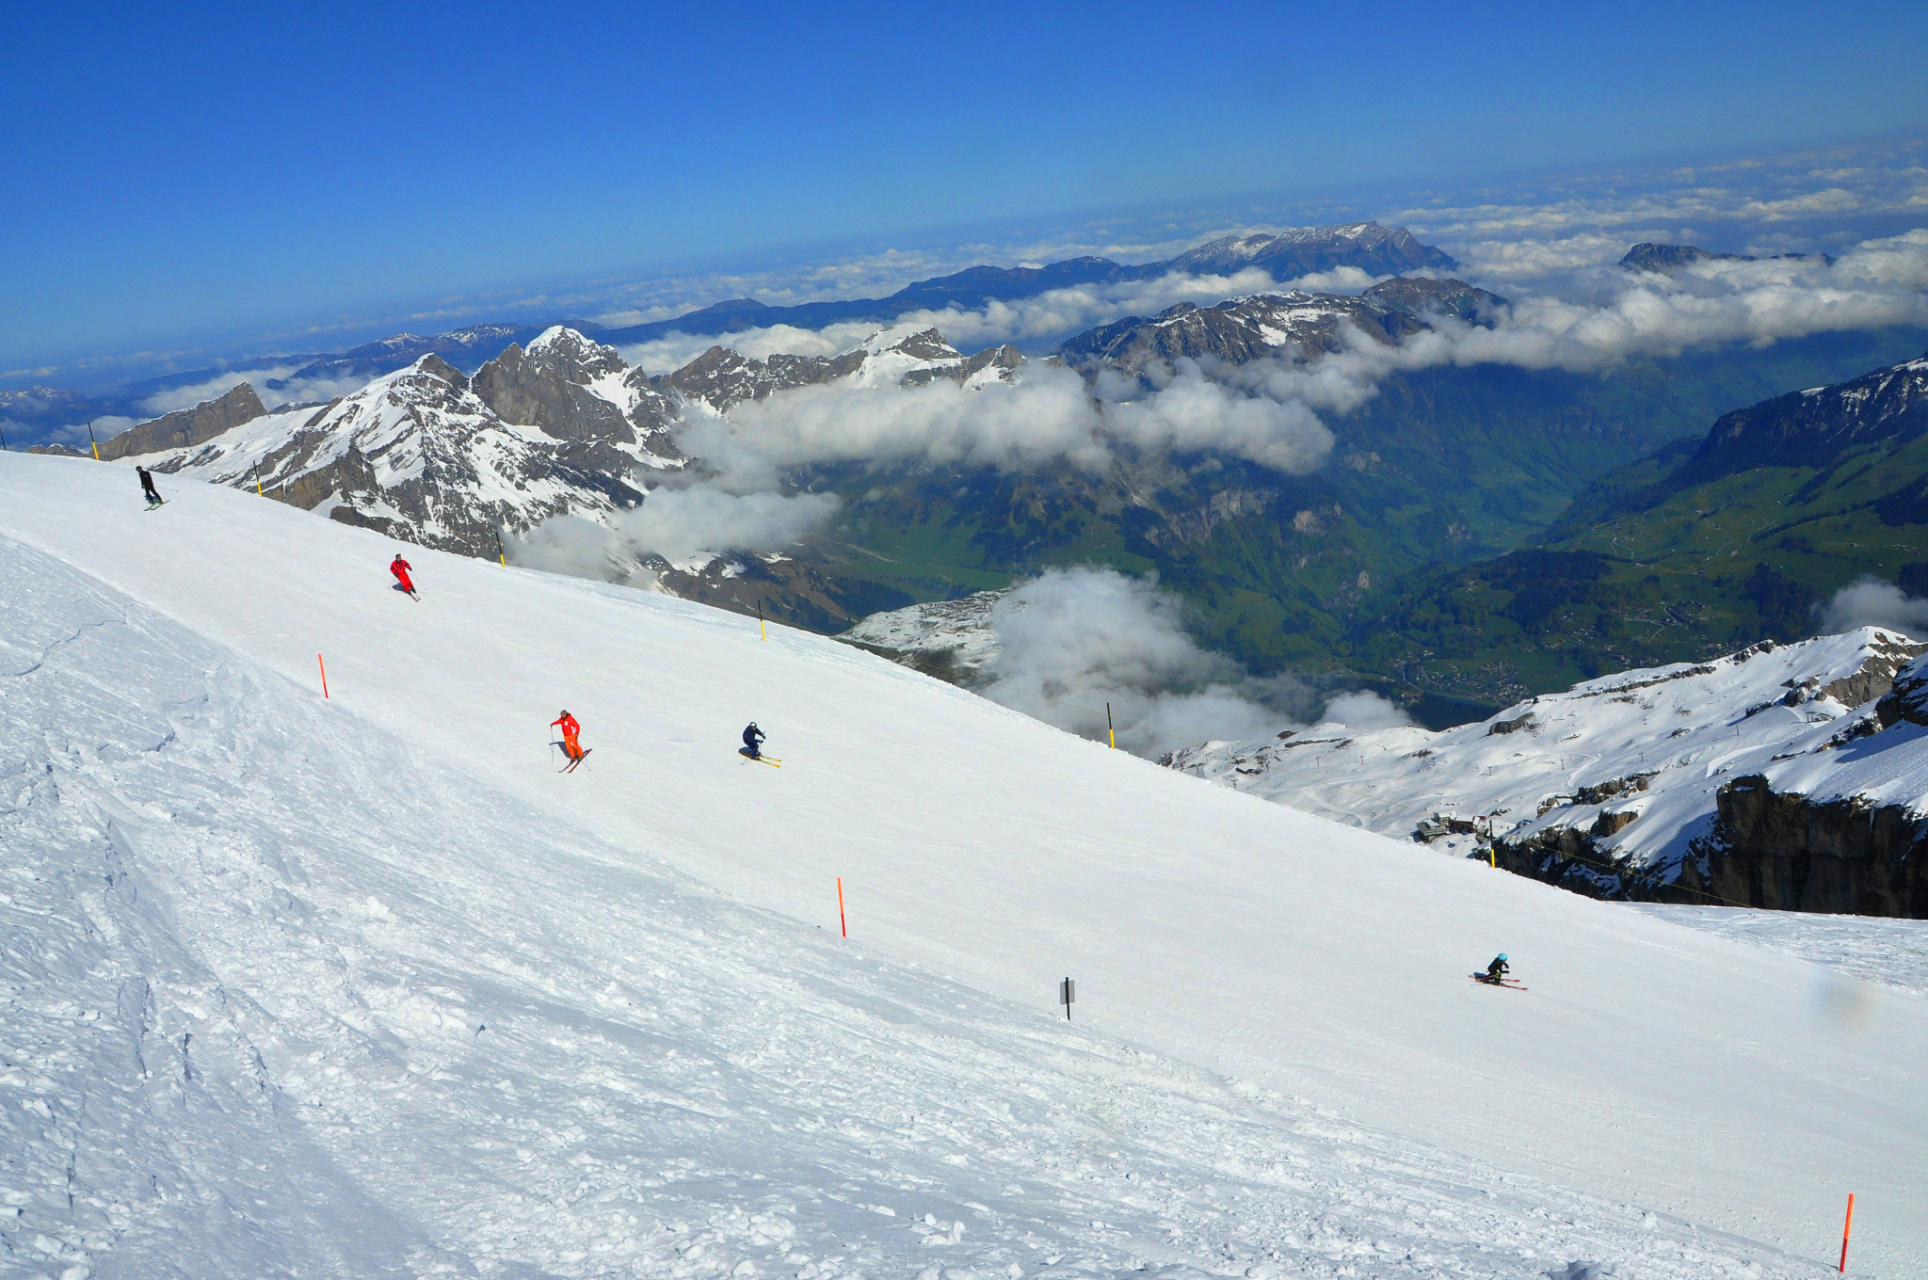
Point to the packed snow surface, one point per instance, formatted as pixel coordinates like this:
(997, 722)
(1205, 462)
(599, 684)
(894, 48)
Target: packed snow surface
(365, 987)
(1869, 948)
(1657, 744)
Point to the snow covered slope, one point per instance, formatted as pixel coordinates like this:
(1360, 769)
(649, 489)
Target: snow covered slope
(1631, 761)
(1649, 1064)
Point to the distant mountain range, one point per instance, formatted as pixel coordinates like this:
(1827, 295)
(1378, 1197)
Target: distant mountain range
(1478, 535)
(1366, 246)
(468, 463)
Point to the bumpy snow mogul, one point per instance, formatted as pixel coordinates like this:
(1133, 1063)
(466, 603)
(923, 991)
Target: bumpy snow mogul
(1611, 788)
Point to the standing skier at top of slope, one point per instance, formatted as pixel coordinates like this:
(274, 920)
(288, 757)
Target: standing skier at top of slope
(400, 567)
(154, 498)
(753, 741)
(570, 728)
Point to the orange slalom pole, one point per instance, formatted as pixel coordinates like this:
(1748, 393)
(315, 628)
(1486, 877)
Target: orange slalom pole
(845, 929)
(324, 675)
(1845, 1228)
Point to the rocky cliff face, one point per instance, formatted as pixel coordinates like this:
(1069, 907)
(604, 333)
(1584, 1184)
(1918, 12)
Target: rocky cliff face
(1789, 853)
(186, 427)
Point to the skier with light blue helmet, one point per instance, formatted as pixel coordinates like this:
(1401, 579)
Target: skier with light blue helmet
(1498, 969)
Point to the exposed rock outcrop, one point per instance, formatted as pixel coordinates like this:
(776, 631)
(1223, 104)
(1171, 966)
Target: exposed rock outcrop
(185, 428)
(1788, 853)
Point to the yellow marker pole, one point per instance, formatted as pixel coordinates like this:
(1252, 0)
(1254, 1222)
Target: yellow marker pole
(92, 441)
(502, 557)
(759, 621)
(1492, 859)
(1109, 731)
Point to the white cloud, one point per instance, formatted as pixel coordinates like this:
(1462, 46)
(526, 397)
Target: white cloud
(574, 546)
(1192, 413)
(1044, 416)
(1362, 711)
(293, 391)
(678, 524)
(1074, 641)
(1870, 602)
(683, 526)
(192, 394)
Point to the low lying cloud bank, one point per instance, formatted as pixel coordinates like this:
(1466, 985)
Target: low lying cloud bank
(1073, 642)
(685, 527)
(1274, 411)
(1870, 602)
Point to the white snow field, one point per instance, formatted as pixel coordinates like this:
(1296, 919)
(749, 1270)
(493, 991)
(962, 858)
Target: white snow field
(253, 939)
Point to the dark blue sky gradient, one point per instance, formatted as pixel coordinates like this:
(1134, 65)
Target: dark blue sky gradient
(183, 171)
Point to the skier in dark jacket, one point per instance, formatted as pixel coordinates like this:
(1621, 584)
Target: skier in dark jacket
(1498, 969)
(147, 486)
(753, 741)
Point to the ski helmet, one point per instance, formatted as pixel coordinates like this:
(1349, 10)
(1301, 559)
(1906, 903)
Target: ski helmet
(1502, 955)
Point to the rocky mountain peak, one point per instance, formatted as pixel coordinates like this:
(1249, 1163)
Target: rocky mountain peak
(1427, 295)
(436, 367)
(925, 344)
(575, 357)
(185, 428)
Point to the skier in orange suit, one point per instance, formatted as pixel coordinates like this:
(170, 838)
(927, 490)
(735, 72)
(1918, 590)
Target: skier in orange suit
(570, 728)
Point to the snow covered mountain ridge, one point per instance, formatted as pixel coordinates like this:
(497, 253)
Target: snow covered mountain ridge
(1611, 788)
(565, 427)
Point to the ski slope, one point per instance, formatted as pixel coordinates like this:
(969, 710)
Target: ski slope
(983, 855)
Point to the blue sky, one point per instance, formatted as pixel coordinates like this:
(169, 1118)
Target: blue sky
(181, 174)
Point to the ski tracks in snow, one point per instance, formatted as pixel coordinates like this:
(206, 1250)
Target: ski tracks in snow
(285, 996)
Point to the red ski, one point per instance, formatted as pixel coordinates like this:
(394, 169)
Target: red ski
(1485, 981)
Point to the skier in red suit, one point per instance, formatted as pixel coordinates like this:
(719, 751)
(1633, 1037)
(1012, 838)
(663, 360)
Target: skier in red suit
(400, 567)
(567, 723)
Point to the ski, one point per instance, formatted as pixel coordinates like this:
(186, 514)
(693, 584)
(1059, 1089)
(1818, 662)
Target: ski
(156, 506)
(1485, 981)
(772, 761)
(571, 766)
